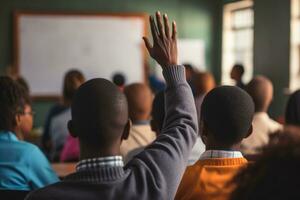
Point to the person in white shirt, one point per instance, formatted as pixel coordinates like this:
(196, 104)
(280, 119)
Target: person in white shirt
(260, 89)
(139, 97)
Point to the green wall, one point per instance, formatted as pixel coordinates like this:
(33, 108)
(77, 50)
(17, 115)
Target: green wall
(195, 19)
(272, 47)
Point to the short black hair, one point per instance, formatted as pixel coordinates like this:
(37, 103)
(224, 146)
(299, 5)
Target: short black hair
(227, 113)
(24, 87)
(188, 66)
(12, 103)
(119, 79)
(99, 113)
(71, 80)
(273, 176)
(158, 109)
(292, 112)
(240, 68)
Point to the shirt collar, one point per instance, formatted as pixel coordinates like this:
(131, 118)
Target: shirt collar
(209, 154)
(8, 136)
(95, 163)
(141, 122)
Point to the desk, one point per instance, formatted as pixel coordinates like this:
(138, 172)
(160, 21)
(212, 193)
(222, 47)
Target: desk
(63, 169)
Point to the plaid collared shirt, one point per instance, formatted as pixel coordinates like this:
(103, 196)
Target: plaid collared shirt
(92, 163)
(220, 154)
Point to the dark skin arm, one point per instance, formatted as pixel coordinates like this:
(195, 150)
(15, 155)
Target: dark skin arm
(164, 48)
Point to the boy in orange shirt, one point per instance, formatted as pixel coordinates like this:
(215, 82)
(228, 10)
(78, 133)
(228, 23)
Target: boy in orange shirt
(226, 118)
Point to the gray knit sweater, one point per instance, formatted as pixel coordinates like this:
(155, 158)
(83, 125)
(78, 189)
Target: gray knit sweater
(153, 174)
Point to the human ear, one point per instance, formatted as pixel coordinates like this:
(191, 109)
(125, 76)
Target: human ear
(126, 130)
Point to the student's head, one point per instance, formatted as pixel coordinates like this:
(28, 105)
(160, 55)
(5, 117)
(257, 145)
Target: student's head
(226, 117)
(189, 71)
(99, 116)
(23, 83)
(158, 112)
(292, 113)
(204, 82)
(260, 89)
(26, 118)
(12, 104)
(119, 80)
(72, 80)
(237, 72)
(274, 175)
(139, 97)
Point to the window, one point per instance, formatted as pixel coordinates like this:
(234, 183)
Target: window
(295, 46)
(237, 39)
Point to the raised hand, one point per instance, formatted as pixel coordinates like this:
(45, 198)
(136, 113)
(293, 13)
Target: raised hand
(164, 49)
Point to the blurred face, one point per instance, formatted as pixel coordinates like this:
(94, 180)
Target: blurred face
(26, 120)
(235, 75)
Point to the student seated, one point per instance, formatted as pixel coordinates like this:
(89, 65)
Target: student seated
(56, 131)
(275, 175)
(226, 118)
(100, 121)
(139, 98)
(236, 74)
(292, 113)
(158, 115)
(22, 165)
(261, 90)
(120, 80)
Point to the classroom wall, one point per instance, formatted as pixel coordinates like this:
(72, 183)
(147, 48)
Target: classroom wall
(195, 19)
(272, 47)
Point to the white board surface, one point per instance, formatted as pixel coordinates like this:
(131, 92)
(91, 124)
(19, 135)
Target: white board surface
(99, 46)
(190, 51)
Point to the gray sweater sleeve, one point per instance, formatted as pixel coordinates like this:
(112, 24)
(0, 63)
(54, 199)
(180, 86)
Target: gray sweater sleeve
(165, 160)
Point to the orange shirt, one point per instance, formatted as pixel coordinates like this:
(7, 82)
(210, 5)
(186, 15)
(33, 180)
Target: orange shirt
(207, 179)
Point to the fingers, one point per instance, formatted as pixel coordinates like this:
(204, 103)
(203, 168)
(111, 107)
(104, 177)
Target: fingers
(167, 28)
(153, 29)
(159, 24)
(147, 43)
(174, 30)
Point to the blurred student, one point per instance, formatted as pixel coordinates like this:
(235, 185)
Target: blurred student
(139, 98)
(226, 118)
(22, 165)
(260, 89)
(120, 80)
(100, 121)
(274, 175)
(26, 120)
(157, 121)
(292, 112)
(56, 131)
(236, 74)
(189, 74)
(204, 82)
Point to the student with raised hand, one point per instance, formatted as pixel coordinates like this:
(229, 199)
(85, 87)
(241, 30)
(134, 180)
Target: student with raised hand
(139, 98)
(22, 165)
(226, 119)
(260, 89)
(100, 121)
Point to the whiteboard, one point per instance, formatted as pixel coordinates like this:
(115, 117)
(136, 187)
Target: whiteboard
(98, 45)
(191, 51)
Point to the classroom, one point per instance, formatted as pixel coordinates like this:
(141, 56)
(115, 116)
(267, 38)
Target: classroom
(138, 99)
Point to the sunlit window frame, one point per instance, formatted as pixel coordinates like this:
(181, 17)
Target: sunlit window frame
(227, 44)
(294, 69)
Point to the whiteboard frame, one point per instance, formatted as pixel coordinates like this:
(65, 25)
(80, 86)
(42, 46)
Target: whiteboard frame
(16, 38)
